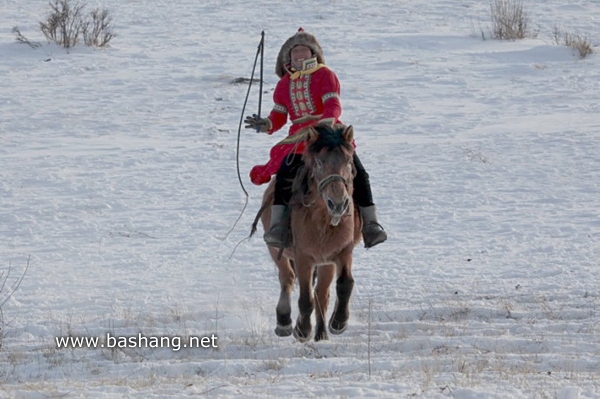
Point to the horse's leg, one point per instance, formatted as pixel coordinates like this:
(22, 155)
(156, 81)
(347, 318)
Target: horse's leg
(344, 285)
(304, 270)
(325, 275)
(286, 282)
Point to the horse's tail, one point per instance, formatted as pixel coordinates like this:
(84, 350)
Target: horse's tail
(257, 218)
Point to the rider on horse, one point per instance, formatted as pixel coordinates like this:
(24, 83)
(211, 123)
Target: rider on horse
(309, 92)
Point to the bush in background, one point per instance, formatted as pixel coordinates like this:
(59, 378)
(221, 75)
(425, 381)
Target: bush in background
(22, 39)
(509, 21)
(579, 43)
(97, 30)
(67, 24)
(64, 23)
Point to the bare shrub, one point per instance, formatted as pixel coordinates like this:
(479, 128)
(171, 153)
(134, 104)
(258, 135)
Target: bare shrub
(509, 21)
(22, 39)
(97, 30)
(67, 23)
(64, 23)
(580, 43)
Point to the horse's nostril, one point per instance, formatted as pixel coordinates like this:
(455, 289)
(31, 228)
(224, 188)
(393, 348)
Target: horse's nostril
(330, 204)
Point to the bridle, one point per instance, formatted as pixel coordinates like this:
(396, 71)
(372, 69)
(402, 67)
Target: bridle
(327, 180)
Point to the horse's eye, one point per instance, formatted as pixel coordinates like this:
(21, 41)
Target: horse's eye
(319, 164)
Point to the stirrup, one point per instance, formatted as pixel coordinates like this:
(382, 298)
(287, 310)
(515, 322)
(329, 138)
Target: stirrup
(277, 237)
(373, 234)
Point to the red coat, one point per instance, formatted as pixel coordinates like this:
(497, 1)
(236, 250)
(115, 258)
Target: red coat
(308, 97)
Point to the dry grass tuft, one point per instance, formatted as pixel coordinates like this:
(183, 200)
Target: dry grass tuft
(581, 44)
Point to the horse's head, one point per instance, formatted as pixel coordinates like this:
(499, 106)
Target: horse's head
(328, 160)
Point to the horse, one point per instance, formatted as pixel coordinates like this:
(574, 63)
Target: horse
(325, 227)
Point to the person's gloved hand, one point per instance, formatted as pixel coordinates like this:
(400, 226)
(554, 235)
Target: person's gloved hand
(259, 175)
(257, 123)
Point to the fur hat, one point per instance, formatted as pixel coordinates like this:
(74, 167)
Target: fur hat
(301, 38)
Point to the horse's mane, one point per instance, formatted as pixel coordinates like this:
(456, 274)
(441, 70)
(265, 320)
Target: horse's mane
(330, 137)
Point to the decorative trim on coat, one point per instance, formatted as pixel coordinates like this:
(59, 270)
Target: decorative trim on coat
(301, 96)
(329, 95)
(282, 109)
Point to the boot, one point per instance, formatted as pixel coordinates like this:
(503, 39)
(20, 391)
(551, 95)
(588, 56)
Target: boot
(279, 231)
(373, 233)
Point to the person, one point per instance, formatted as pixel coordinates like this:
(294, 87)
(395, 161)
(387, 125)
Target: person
(309, 93)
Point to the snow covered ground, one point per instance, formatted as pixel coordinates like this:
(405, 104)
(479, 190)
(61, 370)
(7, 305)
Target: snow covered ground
(118, 182)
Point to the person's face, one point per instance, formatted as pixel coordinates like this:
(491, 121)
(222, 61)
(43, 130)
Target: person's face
(299, 54)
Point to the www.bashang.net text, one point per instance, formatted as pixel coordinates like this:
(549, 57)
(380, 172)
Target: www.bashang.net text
(175, 343)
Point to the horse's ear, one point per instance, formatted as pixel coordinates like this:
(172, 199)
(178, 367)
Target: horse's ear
(348, 134)
(312, 134)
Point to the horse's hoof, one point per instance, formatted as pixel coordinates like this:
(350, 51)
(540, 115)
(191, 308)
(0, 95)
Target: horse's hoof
(301, 337)
(337, 328)
(283, 331)
(322, 336)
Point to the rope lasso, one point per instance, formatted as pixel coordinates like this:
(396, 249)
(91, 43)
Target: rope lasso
(259, 50)
(262, 53)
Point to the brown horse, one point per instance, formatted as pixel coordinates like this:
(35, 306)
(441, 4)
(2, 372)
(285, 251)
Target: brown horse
(325, 228)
